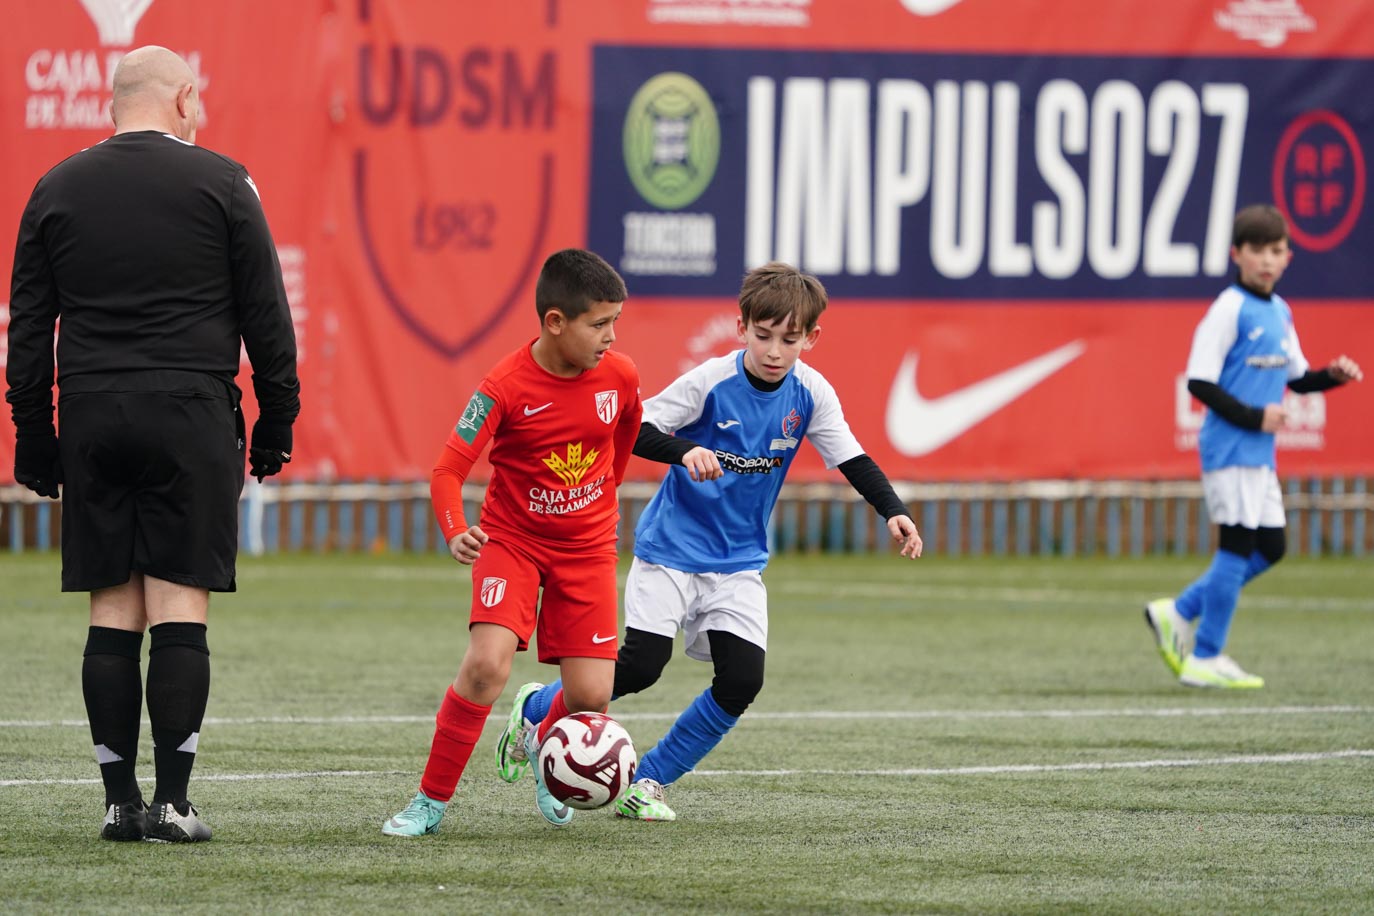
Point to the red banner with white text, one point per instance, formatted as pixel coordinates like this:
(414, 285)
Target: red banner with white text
(1020, 216)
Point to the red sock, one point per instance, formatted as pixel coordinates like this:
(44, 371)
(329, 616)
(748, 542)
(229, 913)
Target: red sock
(557, 710)
(456, 730)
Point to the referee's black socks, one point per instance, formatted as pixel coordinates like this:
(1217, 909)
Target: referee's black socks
(113, 687)
(178, 688)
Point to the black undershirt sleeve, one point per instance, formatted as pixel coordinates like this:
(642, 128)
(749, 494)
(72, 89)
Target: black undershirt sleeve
(656, 445)
(872, 484)
(1225, 406)
(1321, 380)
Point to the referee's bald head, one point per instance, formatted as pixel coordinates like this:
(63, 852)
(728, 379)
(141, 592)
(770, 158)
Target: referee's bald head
(155, 89)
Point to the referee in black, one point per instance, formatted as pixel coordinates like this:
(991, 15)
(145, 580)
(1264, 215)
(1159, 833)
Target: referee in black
(156, 256)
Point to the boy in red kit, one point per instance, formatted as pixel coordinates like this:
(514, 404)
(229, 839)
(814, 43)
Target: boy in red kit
(562, 415)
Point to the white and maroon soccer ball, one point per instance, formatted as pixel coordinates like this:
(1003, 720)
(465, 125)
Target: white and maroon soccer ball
(587, 760)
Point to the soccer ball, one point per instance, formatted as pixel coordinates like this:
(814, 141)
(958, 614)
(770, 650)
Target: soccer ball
(587, 760)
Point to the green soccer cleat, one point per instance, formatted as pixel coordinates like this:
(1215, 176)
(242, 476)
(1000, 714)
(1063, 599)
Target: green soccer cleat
(643, 801)
(511, 759)
(418, 818)
(550, 808)
(1173, 634)
(1221, 671)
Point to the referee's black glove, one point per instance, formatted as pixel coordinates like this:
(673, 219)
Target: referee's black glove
(37, 464)
(270, 449)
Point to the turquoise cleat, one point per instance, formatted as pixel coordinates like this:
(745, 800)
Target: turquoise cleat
(550, 808)
(420, 817)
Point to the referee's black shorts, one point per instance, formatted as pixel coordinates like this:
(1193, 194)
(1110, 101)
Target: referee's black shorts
(152, 466)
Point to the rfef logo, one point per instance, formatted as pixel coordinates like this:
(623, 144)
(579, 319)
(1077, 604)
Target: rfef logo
(1319, 179)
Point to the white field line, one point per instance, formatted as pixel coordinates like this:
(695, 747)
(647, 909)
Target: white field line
(1039, 595)
(947, 714)
(909, 593)
(1235, 760)
(216, 777)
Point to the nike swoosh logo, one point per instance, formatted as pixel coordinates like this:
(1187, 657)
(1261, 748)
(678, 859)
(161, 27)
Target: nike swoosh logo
(600, 639)
(918, 426)
(531, 411)
(727, 424)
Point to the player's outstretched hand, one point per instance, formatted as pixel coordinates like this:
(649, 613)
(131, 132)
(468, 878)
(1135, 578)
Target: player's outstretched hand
(702, 464)
(1345, 369)
(466, 546)
(903, 531)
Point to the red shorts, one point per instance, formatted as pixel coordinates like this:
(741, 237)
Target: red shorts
(577, 617)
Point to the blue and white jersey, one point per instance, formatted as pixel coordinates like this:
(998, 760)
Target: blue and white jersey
(1248, 346)
(721, 525)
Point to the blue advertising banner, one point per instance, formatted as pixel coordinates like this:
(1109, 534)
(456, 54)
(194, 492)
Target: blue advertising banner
(1005, 177)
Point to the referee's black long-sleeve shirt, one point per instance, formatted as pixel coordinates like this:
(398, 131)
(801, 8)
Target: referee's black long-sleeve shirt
(155, 254)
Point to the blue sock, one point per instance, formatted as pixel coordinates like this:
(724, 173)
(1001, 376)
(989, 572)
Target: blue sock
(691, 737)
(1223, 581)
(1189, 602)
(1256, 565)
(537, 704)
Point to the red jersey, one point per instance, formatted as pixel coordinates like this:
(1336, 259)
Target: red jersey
(559, 449)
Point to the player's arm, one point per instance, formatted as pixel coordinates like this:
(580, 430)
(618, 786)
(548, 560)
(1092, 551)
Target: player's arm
(1342, 369)
(656, 445)
(469, 437)
(1229, 408)
(1216, 334)
(29, 368)
(677, 406)
(869, 481)
(265, 325)
(829, 432)
(625, 432)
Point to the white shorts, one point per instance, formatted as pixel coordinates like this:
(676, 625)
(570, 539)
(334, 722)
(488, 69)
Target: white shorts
(662, 600)
(1249, 497)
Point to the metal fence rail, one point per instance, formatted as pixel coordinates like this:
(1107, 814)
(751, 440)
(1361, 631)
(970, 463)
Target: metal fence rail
(1040, 517)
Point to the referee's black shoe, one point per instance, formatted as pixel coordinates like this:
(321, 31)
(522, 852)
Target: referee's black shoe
(125, 821)
(168, 825)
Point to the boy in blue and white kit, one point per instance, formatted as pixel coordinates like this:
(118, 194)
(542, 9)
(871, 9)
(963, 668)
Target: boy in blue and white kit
(731, 427)
(1245, 353)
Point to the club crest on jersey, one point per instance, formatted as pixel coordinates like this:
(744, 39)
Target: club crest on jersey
(607, 403)
(571, 469)
(493, 590)
(790, 424)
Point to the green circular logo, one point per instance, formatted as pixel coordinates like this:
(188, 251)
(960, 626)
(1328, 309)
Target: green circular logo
(672, 140)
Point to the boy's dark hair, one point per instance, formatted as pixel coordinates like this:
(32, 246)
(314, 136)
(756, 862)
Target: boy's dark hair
(776, 291)
(572, 279)
(1258, 224)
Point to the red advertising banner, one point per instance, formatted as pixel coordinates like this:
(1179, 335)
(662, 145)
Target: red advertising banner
(1020, 215)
